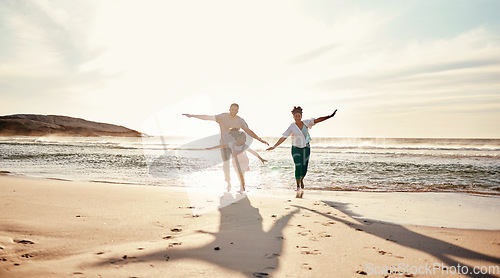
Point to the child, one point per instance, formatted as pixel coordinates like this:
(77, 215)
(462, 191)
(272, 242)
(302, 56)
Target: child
(240, 158)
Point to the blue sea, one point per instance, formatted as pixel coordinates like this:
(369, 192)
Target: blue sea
(347, 164)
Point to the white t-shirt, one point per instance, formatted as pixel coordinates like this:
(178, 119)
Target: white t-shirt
(298, 138)
(226, 122)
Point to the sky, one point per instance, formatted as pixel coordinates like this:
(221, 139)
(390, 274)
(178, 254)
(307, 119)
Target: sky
(393, 69)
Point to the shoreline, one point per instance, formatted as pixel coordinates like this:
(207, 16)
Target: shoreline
(82, 229)
(397, 207)
(313, 189)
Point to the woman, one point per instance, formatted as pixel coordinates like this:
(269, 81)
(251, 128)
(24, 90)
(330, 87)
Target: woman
(300, 144)
(240, 158)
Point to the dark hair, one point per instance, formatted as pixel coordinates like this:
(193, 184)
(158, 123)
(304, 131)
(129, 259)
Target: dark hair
(235, 132)
(297, 109)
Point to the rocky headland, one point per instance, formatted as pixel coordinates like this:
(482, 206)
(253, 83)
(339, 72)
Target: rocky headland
(42, 125)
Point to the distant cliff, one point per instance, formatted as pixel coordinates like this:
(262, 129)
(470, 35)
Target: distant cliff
(40, 125)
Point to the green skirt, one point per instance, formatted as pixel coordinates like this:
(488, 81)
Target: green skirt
(301, 159)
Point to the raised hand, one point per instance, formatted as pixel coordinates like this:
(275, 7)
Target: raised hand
(333, 114)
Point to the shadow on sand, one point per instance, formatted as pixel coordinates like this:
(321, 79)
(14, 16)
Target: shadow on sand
(240, 245)
(443, 251)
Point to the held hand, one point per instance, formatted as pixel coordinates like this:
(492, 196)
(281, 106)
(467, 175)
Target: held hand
(270, 148)
(264, 142)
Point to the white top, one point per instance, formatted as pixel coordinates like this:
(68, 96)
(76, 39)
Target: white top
(226, 122)
(237, 148)
(298, 138)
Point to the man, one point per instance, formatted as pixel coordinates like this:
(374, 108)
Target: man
(227, 121)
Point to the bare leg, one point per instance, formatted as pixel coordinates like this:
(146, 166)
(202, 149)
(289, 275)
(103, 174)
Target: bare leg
(241, 174)
(242, 181)
(226, 156)
(299, 190)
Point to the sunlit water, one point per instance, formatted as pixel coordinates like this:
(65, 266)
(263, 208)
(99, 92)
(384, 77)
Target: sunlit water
(368, 164)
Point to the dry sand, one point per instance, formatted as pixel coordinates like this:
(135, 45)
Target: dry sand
(51, 228)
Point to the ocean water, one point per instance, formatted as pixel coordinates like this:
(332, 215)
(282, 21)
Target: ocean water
(359, 164)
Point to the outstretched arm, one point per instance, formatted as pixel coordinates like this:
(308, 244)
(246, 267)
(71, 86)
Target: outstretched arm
(253, 135)
(281, 140)
(216, 147)
(320, 119)
(256, 154)
(201, 117)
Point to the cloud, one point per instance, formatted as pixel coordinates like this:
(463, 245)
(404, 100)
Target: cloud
(474, 56)
(410, 88)
(313, 54)
(45, 47)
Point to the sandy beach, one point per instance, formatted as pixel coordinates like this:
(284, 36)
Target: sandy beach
(55, 228)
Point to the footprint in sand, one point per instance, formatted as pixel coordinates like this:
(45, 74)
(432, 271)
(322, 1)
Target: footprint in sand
(315, 252)
(24, 241)
(174, 244)
(324, 234)
(382, 252)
